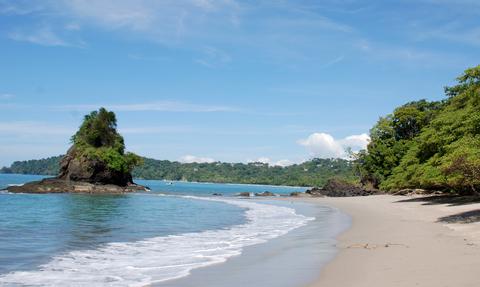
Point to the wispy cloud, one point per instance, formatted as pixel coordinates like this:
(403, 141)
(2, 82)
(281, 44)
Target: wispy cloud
(160, 106)
(315, 22)
(6, 96)
(44, 36)
(142, 57)
(27, 128)
(164, 21)
(156, 129)
(407, 55)
(453, 31)
(213, 57)
(203, 26)
(19, 7)
(333, 61)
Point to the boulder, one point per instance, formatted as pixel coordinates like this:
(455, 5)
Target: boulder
(265, 193)
(244, 194)
(340, 188)
(300, 194)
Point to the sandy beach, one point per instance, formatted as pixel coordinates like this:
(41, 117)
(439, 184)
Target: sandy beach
(404, 241)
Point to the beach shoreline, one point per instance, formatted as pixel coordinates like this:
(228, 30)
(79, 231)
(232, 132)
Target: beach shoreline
(403, 241)
(289, 260)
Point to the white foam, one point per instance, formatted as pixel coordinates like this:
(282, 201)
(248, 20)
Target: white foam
(161, 258)
(15, 184)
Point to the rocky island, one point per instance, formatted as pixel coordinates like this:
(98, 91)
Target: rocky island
(95, 163)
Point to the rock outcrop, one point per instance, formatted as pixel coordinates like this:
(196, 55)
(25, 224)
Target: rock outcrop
(55, 185)
(96, 162)
(265, 193)
(340, 188)
(77, 168)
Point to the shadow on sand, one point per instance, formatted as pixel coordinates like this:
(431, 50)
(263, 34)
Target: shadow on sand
(451, 200)
(463, 217)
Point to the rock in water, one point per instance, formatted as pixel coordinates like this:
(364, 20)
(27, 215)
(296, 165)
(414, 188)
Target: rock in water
(96, 162)
(77, 168)
(55, 185)
(265, 193)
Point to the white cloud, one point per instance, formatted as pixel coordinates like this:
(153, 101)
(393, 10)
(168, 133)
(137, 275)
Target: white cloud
(266, 160)
(356, 142)
(192, 158)
(283, 162)
(324, 145)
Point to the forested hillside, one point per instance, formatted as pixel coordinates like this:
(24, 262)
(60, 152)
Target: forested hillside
(311, 173)
(429, 145)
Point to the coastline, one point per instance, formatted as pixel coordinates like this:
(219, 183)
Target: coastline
(289, 260)
(403, 241)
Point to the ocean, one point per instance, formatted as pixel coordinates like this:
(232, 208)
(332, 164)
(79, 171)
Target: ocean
(132, 239)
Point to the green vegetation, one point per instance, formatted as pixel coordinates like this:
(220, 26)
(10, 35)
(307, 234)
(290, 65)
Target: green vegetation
(47, 166)
(429, 145)
(311, 173)
(98, 139)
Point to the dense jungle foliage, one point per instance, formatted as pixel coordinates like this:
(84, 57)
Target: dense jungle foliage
(429, 145)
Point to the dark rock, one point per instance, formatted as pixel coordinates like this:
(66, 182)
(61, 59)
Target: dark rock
(96, 163)
(412, 191)
(217, 194)
(55, 185)
(245, 194)
(340, 188)
(78, 168)
(299, 194)
(265, 193)
(81, 175)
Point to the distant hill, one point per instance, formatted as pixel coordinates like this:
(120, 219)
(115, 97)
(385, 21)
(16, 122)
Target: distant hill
(310, 173)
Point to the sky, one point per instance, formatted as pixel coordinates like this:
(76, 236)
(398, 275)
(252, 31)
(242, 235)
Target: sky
(236, 81)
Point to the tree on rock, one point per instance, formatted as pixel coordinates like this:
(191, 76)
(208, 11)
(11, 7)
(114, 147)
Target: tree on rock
(98, 152)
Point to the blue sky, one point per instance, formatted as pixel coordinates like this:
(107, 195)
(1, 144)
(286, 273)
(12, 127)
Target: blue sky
(229, 80)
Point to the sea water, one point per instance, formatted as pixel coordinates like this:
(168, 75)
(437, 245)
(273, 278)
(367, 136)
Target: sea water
(131, 239)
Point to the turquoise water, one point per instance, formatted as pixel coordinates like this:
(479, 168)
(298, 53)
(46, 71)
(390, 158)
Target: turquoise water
(131, 239)
(207, 189)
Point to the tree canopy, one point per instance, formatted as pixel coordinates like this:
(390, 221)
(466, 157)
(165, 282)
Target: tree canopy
(315, 172)
(430, 145)
(98, 139)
